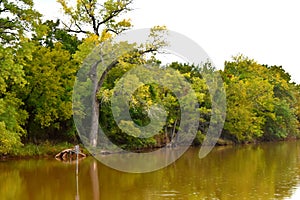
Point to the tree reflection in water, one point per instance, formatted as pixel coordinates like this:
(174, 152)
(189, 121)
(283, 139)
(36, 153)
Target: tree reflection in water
(267, 171)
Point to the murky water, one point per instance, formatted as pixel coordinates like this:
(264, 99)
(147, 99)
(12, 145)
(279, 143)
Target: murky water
(268, 171)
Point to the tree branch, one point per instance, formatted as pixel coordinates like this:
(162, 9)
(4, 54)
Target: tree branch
(114, 63)
(93, 19)
(3, 10)
(114, 14)
(69, 29)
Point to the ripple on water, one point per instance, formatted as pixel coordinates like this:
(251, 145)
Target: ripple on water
(169, 194)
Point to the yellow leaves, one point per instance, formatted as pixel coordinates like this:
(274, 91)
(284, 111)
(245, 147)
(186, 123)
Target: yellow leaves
(159, 28)
(157, 32)
(246, 99)
(92, 38)
(66, 8)
(125, 23)
(105, 35)
(104, 96)
(86, 47)
(89, 16)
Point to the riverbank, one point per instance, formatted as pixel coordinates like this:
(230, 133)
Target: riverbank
(50, 149)
(46, 149)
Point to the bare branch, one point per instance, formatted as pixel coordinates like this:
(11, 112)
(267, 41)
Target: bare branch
(113, 31)
(69, 29)
(96, 31)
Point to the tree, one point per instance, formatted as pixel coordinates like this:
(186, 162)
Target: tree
(12, 117)
(99, 22)
(194, 75)
(16, 18)
(50, 74)
(248, 103)
(127, 56)
(49, 33)
(96, 21)
(91, 17)
(262, 102)
(286, 123)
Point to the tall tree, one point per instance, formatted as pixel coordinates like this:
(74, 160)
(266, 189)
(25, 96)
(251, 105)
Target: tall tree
(91, 17)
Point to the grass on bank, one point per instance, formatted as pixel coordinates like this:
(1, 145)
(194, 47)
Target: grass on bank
(41, 150)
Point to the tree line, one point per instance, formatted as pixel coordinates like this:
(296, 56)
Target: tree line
(40, 60)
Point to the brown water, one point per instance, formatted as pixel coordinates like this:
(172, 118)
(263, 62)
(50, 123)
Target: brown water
(268, 171)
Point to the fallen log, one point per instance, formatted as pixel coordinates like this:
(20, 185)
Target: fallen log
(70, 154)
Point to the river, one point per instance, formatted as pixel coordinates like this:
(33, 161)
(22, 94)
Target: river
(265, 171)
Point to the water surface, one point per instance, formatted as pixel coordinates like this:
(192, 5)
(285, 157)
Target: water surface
(267, 171)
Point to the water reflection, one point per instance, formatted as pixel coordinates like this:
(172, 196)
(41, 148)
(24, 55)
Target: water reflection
(269, 171)
(95, 179)
(141, 162)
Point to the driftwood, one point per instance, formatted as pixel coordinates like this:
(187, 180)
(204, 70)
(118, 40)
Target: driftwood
(70, 154)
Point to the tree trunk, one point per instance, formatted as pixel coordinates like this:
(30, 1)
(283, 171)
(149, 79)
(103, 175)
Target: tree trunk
(95, 123)
(166, 136)
(97, 84)
(95, 107)
(174, 136)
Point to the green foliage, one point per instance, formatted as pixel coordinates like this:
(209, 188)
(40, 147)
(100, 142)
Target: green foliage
(91, 17)
(45, 149)
(12, 117)
(16, 18)
(50, 74)
(261, 102)
(39, 62)
(49, 33)
(144, 98)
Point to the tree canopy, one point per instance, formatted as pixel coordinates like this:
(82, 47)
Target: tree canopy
(16, 18)
(40, 60)
(92, 17)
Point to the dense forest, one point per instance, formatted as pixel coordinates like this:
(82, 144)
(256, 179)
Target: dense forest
(40, 60)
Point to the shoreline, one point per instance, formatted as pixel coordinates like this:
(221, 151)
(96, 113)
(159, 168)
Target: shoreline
(48, 150)
(43, 150)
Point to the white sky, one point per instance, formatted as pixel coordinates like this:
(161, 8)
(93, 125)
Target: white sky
(267, 31)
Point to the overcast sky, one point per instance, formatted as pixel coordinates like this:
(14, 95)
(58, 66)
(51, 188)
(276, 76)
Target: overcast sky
(267, 31)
